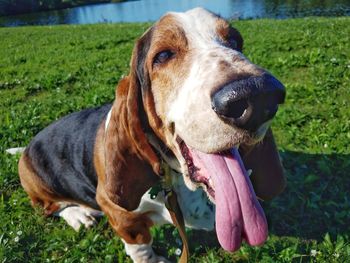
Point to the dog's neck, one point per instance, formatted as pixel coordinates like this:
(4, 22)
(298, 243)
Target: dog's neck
(164, 153)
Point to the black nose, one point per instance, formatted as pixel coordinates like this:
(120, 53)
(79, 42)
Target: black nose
(248, 103)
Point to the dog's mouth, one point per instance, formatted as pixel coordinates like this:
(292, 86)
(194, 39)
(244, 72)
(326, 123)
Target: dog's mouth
(239, 215)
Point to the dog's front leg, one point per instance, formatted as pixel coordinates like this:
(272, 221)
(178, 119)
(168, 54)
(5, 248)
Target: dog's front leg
(132, 227)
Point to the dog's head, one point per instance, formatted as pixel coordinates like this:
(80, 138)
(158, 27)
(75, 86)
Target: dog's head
(204, 100)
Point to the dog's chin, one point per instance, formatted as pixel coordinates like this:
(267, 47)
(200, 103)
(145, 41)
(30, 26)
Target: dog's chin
(189, 171)
(192, 177)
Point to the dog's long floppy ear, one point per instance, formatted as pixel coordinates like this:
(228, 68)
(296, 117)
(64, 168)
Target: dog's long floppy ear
(267, 172)
(131, 164)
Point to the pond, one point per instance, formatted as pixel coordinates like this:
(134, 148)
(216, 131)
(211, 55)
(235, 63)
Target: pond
(151, 10)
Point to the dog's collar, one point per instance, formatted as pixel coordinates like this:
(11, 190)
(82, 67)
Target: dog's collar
(174, 210)
(171, 203)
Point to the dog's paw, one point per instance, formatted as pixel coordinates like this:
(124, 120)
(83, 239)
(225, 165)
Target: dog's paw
(77, 216)
(159, 259)
(152, 259)
(143, 253)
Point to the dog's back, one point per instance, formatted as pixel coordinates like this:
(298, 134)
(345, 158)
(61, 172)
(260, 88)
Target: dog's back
(62, 155)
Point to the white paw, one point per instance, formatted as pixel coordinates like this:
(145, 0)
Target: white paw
(151, 259)
(76, 216)
(159, 259)
(143, 253)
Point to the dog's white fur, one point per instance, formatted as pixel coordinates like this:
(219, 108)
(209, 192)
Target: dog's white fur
(143, 253)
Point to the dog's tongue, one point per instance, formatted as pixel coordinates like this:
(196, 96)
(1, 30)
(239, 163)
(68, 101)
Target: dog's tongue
(238, 213)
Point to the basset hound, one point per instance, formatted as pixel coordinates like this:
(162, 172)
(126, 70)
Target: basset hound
(191, 101)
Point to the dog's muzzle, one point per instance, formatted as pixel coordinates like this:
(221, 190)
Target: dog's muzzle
(248, 103)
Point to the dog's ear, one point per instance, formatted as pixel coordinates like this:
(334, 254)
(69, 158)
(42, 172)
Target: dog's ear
(140, 84)
(131, 164)
(267, 172)
(234, 33)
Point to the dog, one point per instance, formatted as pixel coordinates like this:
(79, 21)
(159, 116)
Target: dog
(194, 108)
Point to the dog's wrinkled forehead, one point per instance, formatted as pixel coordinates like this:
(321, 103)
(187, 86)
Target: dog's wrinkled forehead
(198, 22)
(202, 26)
(199, 26)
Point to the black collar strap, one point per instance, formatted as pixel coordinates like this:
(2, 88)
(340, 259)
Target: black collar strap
(173, 207)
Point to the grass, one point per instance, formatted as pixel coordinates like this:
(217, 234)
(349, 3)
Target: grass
(47, 72)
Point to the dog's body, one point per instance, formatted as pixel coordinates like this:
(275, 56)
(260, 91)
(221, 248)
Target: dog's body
(167, 110)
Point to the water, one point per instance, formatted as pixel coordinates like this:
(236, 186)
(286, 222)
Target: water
(151, 10)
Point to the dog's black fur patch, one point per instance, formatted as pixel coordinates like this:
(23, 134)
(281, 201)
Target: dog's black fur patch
(62, 155)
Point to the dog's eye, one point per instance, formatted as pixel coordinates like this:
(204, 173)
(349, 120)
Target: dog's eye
(163, 57)
(232, 43)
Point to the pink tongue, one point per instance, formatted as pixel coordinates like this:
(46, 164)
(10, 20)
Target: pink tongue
(238, 213)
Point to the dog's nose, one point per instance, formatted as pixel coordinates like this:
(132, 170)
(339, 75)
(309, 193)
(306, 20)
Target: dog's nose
(249, 102)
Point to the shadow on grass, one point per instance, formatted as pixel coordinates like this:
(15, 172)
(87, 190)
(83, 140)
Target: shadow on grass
(315, 202)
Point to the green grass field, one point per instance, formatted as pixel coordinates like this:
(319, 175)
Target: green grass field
(47, 72)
